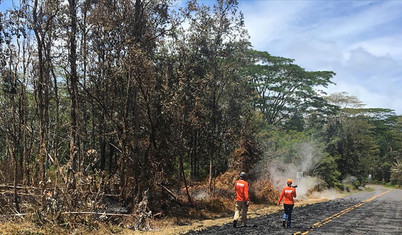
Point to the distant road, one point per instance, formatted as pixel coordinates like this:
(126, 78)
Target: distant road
(376, 212)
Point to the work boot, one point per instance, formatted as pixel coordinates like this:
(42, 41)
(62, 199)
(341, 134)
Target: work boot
(234, 223)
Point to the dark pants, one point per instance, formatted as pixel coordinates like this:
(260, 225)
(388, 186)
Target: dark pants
(288, 213)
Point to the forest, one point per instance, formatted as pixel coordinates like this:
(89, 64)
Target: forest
(145, 105)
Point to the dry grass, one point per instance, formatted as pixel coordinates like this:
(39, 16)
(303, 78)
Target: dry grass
(30, 228)
(206, 211)
(169, 225)
(255, 210)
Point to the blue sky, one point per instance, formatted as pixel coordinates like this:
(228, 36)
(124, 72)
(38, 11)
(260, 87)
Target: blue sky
(6, 4)
(361, 41)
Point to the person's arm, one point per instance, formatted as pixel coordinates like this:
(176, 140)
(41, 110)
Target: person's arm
(281, 196)
(294, 192)
(246, 192)
(235, 193)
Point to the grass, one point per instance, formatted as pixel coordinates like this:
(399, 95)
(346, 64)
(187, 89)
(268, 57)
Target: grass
(29, 228)
(368, 189)
(394, 186)
(168, 225)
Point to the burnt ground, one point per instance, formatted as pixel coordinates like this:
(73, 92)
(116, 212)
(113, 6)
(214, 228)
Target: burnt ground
(376, 212)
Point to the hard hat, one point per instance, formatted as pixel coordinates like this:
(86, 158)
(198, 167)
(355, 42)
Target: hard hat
(289, 181)
(243, 175)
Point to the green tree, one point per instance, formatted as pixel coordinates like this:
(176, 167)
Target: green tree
(284, 89)
(327, 169)
(388, 137)
(396, 173)
(351, 136)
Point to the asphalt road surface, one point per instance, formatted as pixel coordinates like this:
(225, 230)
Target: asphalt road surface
(376, 212)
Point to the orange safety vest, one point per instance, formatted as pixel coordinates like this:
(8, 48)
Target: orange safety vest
(241, 188)
(288, 193)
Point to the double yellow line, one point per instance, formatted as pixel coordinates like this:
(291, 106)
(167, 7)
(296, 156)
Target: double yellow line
(329, 219)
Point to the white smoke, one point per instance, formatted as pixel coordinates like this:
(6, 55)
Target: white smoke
(349, 180)
(200, 194)
(307, 160)
(329, 194)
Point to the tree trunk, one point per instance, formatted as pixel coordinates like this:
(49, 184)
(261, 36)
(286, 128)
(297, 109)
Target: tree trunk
(211, 161)
(185, 181)
(111, 153)
(74, 145)
(40, 97)
(102, 141)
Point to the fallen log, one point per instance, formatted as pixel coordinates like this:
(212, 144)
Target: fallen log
(168, 191)
(94, 213)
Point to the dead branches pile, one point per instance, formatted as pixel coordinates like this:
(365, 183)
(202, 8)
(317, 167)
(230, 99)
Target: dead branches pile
(84, 198)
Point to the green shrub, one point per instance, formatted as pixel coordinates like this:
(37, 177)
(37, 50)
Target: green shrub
(338, 185)
(356, 184)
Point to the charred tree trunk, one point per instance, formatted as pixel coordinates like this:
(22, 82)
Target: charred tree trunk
(102, 142)
(24, 125)
(123, 140)
(74, 142)
(184, 179)
(111, 154)
(212, 143)
(40, 97)
(11, 150)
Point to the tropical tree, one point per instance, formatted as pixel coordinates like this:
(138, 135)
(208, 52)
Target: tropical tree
(351, 137)
(285, 91)
(396, 173)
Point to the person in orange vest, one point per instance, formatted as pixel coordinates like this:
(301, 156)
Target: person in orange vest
(242, 200)
(288, 193)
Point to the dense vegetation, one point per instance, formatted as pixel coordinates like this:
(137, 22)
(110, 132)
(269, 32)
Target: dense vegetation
(131, 96)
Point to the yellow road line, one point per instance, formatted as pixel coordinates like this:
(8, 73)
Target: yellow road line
(339, 214)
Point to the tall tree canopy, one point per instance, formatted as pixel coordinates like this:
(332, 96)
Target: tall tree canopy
(284, 89)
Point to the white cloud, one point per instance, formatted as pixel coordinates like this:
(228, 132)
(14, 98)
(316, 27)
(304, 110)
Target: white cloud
(375, 80)
(382, 45)
(358, 40)
(264, 23)
(367, 64)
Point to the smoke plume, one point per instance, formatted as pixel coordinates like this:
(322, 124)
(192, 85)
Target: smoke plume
(297, 170)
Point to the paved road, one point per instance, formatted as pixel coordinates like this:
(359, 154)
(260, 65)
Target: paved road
(376, 212)
(379, 212)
